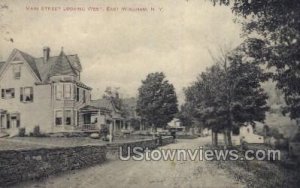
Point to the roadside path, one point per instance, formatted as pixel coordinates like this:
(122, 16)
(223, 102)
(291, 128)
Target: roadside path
(146, 174)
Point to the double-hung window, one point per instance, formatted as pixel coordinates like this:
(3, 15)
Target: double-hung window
(8, 93)
(17, 71)
(58, 117)
(68, 117)
(59, 91)
(67, 91)
(26, 94)
(64, 91)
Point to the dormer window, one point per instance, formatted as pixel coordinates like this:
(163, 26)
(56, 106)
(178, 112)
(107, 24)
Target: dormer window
(17, 71)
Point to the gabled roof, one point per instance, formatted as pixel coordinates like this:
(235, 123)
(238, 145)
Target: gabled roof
(62, 66)
(129, 105)
(30, 60)
(55, 65)
(103, 103)
(91, 108)
(130, 102)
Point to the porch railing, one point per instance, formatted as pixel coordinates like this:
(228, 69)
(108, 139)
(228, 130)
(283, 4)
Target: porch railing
(89, 127)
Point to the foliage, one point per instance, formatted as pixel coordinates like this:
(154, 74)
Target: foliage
(113, 95)
(276, 27)
(22, 132)
(229, 94)
(135, 124)
(157, 101)
(186, 115)
(36, 131)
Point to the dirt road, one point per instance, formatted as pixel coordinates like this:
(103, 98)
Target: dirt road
(145, 174)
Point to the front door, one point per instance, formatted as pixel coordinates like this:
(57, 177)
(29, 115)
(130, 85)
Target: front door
(13, 122)
(2, 121)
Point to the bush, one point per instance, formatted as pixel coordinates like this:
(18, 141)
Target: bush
(275, 133)
(36, 131)
(22, 132)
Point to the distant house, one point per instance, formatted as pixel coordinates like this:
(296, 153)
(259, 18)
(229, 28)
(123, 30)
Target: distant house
(115, 116)
(124, 119)
(133, 120)
(176, 124)
(44, 91)
(248, 133)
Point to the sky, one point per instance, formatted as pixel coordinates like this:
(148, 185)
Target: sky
(119, 48)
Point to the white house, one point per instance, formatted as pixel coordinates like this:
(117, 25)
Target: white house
(46, 91)
(247, 133)
(176, 124)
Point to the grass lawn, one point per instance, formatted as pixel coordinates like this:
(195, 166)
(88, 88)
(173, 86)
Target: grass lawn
(265, 174)
(45, 142)
(48, 142)
(11, 144)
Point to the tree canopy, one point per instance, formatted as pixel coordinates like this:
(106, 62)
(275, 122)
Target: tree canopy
(157, 100)
(229, 94)
(274, 27)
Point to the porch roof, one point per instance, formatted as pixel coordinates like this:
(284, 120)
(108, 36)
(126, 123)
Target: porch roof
(92, 109)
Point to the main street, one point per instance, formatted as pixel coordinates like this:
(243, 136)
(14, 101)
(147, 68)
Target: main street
(146, 174)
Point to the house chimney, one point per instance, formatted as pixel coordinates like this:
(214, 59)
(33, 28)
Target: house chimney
(46, 52)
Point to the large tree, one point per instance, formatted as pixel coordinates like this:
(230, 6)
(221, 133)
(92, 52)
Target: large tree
(274, 26)
(229, 95)
(157, 101)
(204, 98)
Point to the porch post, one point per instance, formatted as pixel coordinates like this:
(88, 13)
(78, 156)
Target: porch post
(111, 132)
(128, 125)
(115, 125)
(98, 120)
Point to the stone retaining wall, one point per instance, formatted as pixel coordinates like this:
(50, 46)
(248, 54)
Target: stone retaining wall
(29, 164)
(21, 165)
(113, 149)
(167, 140)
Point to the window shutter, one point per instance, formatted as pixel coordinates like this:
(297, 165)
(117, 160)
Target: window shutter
(2, 93)
(21, 94)
(13, 93)
(74, 92)
(18, 120)
(31, 94)
(77, 94)
(8, 121)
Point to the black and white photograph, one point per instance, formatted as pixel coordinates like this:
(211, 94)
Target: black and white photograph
(152, 94)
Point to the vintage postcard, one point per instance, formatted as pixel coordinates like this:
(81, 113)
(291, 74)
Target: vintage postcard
(156, 93)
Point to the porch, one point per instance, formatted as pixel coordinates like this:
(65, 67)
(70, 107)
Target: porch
(9, 121)
(88, 118)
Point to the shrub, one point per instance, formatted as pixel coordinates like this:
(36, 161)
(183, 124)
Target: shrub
(36, 131)
(22, 132)
(275, 133)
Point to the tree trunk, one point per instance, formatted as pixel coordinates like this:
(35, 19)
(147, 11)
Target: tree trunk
(229, 137)
(214, 136)
(225, 137)
(153, 130)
